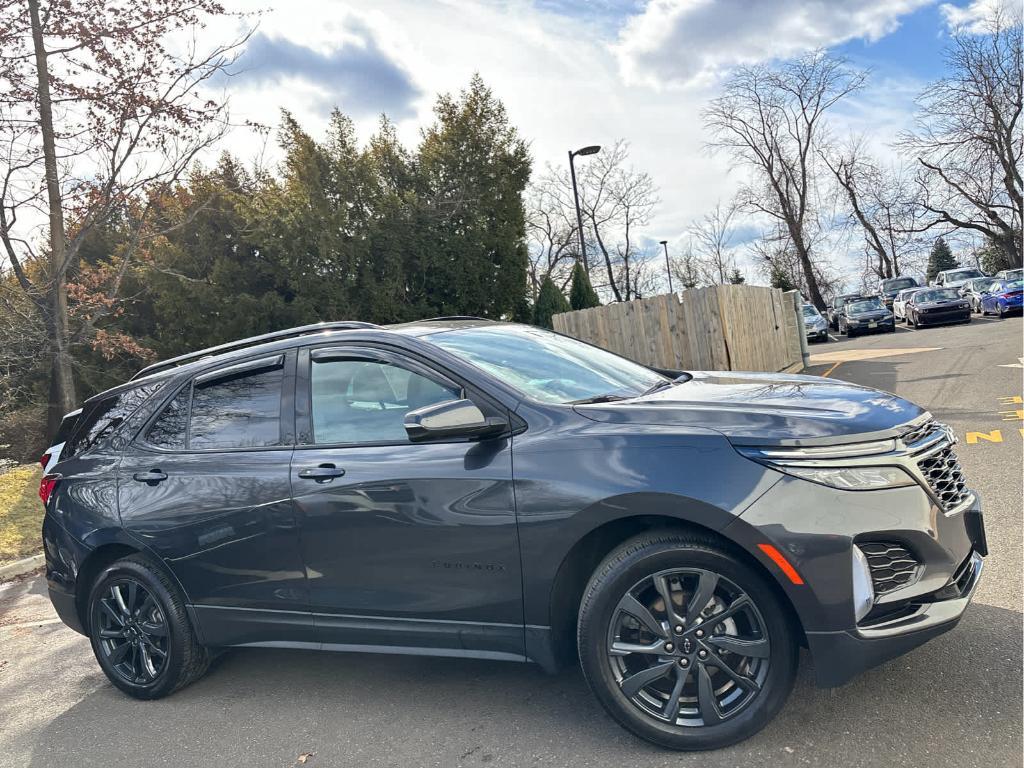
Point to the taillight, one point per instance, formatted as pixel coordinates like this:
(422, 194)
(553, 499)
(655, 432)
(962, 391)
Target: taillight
(44, 460)
(46, 486)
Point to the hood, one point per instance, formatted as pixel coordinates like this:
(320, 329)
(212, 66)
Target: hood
(941, 303)
(765, 408)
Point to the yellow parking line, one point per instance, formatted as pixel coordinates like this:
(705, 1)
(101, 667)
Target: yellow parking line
(834, 366)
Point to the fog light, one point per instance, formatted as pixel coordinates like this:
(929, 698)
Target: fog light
(863, 588)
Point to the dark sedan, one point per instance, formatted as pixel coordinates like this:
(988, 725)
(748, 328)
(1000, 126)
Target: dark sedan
(864, 316)
(935, 306)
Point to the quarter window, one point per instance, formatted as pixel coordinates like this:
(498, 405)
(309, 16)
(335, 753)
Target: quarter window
(365, 401)
(104, 418)
(169, 429)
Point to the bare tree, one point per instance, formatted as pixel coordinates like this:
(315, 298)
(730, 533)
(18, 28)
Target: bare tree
(550, 230)
(771, 119)
(881, 202)
(616, 199)
(100, 106)
(687, 270)
(969, 140)
(779, 263)
(712, 240)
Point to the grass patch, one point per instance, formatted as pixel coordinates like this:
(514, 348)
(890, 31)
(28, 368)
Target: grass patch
(21, 513)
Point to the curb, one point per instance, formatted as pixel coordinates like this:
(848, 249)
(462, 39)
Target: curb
(18, 567)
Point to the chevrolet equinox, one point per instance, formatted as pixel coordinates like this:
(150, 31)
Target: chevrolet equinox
(459, 487)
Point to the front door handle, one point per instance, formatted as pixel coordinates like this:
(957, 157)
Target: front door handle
(322, 474)
(152, 477)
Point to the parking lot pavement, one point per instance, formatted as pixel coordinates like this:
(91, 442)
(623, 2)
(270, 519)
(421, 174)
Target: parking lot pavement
(954, 702)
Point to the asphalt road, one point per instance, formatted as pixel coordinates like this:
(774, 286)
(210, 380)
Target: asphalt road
(954, 702)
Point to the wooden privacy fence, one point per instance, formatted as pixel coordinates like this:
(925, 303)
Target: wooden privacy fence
(722, 327)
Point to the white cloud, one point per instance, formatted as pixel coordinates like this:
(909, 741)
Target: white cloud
(683, 42)
(976, 15)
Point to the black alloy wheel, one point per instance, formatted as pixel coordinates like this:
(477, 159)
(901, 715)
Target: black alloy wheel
(688, 646)
(140, 631)
(132, 632)
(683, 643)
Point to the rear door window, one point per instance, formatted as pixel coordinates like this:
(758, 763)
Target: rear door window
(239, 411)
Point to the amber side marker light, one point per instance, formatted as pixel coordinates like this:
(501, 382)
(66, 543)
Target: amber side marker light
(782, 562)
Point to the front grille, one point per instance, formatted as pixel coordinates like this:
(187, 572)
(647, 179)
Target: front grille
(945, 477)
(892, 565)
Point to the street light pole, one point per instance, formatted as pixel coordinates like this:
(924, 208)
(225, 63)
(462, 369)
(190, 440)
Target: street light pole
(591, 150)
(668, 266)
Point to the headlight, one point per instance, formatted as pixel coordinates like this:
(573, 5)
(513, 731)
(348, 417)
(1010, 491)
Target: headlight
(831, 464)
(852, 478)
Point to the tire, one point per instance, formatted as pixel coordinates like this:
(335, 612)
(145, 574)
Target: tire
(135, 614)
(914, 322)
(630, 573)
(999, 311)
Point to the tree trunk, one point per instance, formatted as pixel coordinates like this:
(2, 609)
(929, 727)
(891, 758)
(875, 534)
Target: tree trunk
(805, 262)
(62, 381)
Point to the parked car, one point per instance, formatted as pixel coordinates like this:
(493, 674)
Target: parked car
(836, 307)
(468, 488)
(865, 315)
(934, 306)
(899, 304)
(974, 290)
(1010, 274)
(887, 289)
(1003, 298)
(954, 278)
(814, 324)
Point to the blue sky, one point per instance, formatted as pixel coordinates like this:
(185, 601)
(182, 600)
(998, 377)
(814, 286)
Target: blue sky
(576, 73)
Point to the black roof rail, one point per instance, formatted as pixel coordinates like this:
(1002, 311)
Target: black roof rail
(252, 341)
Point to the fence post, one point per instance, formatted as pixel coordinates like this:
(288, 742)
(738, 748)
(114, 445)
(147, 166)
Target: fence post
(801, 329)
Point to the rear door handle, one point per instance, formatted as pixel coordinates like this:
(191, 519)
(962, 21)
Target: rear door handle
(322, 474)
(153, 476)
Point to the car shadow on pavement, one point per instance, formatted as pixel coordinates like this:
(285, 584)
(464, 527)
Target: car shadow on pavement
(955, 701)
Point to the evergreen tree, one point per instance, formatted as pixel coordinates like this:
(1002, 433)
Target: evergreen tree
(581, 293)
(473, 168)
(939, 259)
(736, 277)
(779, 279)
(550, 301)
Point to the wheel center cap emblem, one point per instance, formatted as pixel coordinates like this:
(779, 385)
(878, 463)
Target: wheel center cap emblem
(687, 645)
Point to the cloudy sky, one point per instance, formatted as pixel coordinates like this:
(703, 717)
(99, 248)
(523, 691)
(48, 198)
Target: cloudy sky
(573, 73)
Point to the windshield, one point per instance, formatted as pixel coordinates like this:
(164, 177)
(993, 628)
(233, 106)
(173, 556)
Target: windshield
(869, 305)
(1013, 274)
(942, 294)
(545, 366)
(810, 311)
(904, 295)
(1009, 285)
(897, 283)
(963, 274)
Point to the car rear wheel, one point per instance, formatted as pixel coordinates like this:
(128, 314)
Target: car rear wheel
(683, 644)
(140, 631)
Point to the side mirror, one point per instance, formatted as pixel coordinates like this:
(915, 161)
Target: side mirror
(453, 418)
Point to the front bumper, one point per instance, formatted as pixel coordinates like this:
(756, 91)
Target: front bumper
(944, 316)
(816, 527)
(865, 326)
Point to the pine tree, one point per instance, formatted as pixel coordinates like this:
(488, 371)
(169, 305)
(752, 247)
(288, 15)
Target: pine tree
(581, 293)
(550, 301)
(779, 279)
(737, 278)
(939, 259)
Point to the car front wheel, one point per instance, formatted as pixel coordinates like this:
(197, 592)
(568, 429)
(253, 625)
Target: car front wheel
(683, 644)
(140, 631)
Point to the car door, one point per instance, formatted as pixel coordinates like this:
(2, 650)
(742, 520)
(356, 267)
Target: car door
(206, 486)
(406, 545)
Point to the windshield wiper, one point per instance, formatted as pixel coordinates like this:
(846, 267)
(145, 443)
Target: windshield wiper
(609, 397)
(665, 384)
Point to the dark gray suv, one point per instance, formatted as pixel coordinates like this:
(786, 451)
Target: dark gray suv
(459, 487)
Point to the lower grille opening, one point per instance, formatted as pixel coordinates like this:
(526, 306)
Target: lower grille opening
(892, 565)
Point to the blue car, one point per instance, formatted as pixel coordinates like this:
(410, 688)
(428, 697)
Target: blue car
(1003, 298)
